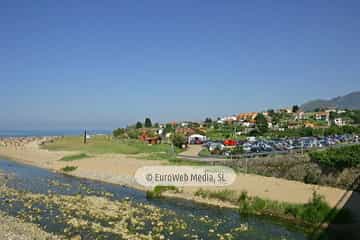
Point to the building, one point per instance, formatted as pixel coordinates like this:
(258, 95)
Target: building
(322, 116)
(309, 125)
(339, 122)
(284, 110)
(196, 139)
(300, 116)
(248, 124)
(144, 137)
(185, 131)
(228, 119)
(246, 116)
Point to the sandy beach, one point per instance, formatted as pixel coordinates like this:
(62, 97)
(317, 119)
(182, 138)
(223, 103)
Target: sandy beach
(120, 169)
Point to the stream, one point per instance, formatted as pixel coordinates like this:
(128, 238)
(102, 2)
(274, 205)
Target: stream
(44, 197)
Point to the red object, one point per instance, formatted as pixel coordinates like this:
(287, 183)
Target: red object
(230, 142)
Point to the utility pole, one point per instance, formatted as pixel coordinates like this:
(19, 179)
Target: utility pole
(85, 136)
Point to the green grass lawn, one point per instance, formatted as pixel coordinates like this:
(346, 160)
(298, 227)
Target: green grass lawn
(103, 144)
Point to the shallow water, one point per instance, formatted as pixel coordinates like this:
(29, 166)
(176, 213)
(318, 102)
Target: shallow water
(36, 180)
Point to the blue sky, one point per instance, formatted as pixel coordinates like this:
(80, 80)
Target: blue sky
(103, 64)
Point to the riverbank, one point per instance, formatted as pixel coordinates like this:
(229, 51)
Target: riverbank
(14, 228)
(120, 169)
(73, 207)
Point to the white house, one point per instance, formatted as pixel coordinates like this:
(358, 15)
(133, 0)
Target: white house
(300, 116)
(195, 138)
(248, 124)
(339, 122)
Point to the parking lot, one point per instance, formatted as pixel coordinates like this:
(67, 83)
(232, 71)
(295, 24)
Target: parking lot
(259, 146)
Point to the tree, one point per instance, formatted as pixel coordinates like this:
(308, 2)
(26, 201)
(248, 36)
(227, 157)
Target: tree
(139, 125)
(261, 123)
(148, 123)
(295, 108)
(208, 120)
(156, 125)
(271, 112)
(169, 128)
(333, 115)
(118, 132)
(133, 133)
(178, 140)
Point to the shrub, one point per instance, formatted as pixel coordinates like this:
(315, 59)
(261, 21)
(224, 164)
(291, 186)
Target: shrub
(159, 190)
(178, 140)
(119, 132)
(244, 205)
(204, 153)
(69, 168)
(202, 193)
(316, 210)
(258, 204)
(223, 195)
(292, 210)
(312, 176)
(338, 158)
(237, 150)
(133, 133)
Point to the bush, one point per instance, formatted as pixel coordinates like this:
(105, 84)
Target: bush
(237, 150)
(204, 153)
(338, 158)
(316, 210)
(178, 140)
(258, 204)
(119, 132)
(223, 195)
(69, 168)
(133, 133)
(159, 190)
(312, 176)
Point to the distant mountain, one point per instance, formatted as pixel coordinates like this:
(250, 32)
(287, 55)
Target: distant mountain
(349, 101)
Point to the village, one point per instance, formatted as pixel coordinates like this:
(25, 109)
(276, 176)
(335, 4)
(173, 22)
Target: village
(271, 131)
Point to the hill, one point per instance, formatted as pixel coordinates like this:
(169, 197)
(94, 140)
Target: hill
(349, 101)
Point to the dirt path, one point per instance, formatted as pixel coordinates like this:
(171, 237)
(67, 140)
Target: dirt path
(192, 151)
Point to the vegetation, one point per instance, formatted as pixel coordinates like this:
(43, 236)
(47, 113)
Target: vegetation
(338, 158)
(118, 132)
(223, 195)
(295, 108)
(353, 116)
(178, 140)
(74, 157)
(159, 190)
(103, 144)
(208, 120)
(148, 123)
(68, 168)
(204, 153)
(310, 132)
(237, 150)
(261, 123)
(138, 125)
(314, 212)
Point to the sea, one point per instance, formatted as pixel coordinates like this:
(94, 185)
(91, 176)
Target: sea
(40, 133)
